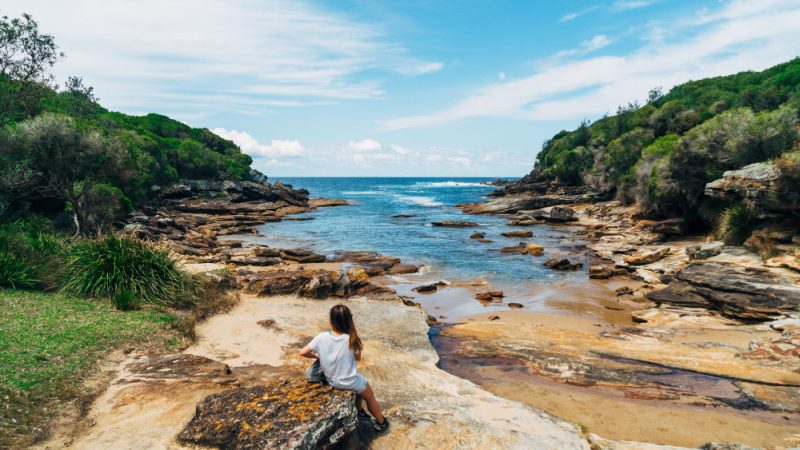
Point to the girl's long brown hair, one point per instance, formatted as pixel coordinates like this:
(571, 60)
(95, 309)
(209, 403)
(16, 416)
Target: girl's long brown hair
(342, 322)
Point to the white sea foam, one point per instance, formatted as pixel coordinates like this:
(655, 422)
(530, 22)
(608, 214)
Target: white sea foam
(418, 200)
(447, 184)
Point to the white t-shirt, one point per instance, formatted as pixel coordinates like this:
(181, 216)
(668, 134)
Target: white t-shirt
(337, 361)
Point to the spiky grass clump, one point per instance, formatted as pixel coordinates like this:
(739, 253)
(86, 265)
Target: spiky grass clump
(736, 224)
(124, 267)
(32, 255)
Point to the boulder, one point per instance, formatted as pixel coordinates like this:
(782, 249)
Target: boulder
(669, 227)
(477, 235)
(306, 283)
(367, 259)
(562, 264)
(535, 249)
(483, 296)
(266, 252)
(455, 224)
(301, 255)
(757, 184)
(520, 248)
(426, 288)
(288, 414)
(399, 269)
(648, 257)
(552, 214)
(518, 233)
(357, 274)
(515, 305)
(745, 293)
(601, 272)
(326, 202)
(255, 261)
(705, 250)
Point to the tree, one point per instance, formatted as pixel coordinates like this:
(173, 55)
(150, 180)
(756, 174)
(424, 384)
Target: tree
(69, 163)
(26, 57)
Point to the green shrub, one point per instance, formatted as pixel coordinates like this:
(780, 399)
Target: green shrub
(32, 255)
(789, 177)
(112, 266)
(736, 224)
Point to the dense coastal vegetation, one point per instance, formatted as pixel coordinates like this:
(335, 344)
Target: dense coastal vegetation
(662, 154)
(71, 172)
(66, 157)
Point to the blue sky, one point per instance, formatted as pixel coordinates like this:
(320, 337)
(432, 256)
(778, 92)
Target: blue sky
(404, 87)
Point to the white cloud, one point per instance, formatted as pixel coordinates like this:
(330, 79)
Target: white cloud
(238, 55)
(251, 146)
(574, 15)
(624, 5)
(587, 46)
(365, 145)
(741, 36)
(501, 76)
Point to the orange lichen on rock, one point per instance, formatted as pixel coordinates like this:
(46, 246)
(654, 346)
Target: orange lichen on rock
(283, 414)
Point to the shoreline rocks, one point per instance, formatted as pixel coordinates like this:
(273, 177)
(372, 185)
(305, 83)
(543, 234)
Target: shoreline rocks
(455, 224)
(743, 293)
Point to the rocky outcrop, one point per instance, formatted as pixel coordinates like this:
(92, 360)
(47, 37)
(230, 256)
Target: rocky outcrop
(515, 203)
(236, 191)
(757, 184)
(745, 293)
(551, 214)
(287, 414)
(317, 284)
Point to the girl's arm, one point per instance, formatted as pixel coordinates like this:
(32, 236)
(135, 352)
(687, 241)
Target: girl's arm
(308, 352)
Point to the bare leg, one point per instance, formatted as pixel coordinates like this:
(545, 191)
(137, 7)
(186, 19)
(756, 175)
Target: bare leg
(372, 404)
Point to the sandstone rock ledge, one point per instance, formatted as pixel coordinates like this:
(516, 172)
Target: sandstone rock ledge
(283, 414)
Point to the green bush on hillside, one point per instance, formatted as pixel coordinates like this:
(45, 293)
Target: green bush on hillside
(118, 267)
(663, 153)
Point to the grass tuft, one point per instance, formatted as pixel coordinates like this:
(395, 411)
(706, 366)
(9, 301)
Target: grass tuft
(115, 266)
(736, 224)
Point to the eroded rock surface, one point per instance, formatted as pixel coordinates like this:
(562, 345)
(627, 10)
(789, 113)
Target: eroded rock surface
(285, 413)
(747, 293)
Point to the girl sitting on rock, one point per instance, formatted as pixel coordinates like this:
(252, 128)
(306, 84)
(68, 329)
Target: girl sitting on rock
(336, 353)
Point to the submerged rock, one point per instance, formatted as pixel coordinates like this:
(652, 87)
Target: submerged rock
(283, 414)
(326, 202)
(562, 264)
(517, 233)
(745, 293)
(455, 224)
(477, 235)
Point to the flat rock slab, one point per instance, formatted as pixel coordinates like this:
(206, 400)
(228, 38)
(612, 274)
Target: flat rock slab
(745, 293)
(286, 414)
(455, 224)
